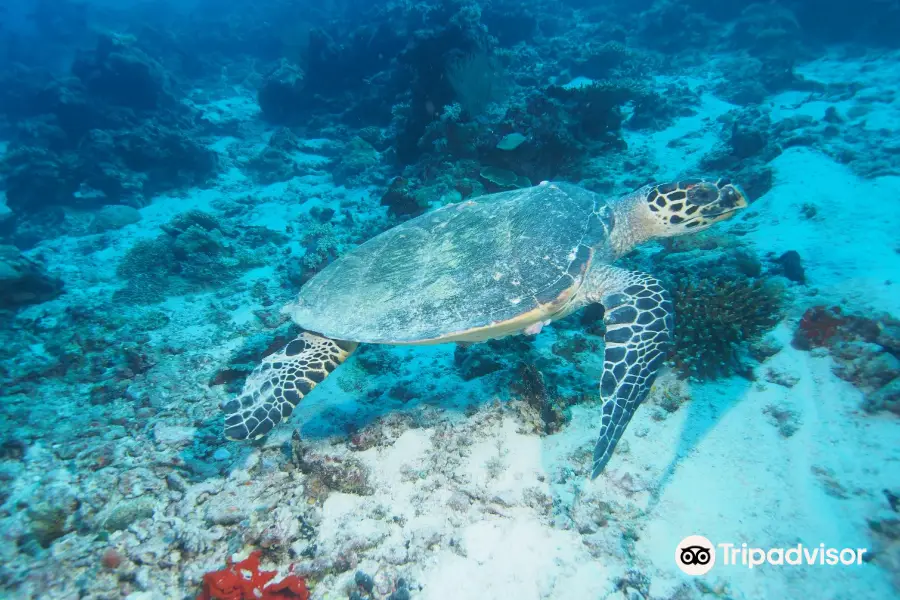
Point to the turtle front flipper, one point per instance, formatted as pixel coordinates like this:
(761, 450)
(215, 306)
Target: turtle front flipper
(275, 387)
(639, 321)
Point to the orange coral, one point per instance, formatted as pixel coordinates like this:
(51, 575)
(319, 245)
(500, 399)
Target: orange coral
(244, 581)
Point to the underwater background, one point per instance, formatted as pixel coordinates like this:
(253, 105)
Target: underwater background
(171, 174)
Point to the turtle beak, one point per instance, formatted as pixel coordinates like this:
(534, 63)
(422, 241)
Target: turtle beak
(733, 198)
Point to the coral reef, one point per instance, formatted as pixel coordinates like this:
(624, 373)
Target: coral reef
(400, 200)
(321, 248)
(194, 252)
(866, 351)
(544, 410)
(342, 474)
(791, 266)
(277, 162)
(716, 318)
(477, 360)
(822, 326)
(23, 281)
(110, 132)
(746, 147)
(476, 79)
(282, 94)
(357, 158)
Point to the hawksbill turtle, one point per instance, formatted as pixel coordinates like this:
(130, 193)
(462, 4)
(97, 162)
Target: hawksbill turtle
(496, 265)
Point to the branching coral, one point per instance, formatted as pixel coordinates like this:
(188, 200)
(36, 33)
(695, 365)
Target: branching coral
(244, 581)
(713, 318)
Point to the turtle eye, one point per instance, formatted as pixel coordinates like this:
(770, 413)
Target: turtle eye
(729, 198)
(702, 193)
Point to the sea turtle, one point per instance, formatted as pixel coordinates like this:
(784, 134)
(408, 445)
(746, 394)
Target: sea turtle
(489, 267)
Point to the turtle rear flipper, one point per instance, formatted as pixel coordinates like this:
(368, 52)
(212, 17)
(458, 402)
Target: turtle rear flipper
(639, 321)
(278, 384)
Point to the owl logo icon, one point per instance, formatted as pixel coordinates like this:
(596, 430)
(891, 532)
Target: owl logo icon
(695, 555)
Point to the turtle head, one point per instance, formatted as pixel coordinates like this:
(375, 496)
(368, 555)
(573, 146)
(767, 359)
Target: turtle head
(689, 206)
(671, 209)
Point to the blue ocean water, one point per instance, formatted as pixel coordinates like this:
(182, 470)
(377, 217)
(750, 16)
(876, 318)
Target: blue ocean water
(449, 299)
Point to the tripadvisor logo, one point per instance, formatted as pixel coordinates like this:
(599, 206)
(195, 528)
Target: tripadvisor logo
(696, 555)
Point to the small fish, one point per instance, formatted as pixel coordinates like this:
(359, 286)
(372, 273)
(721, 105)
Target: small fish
(511, 141)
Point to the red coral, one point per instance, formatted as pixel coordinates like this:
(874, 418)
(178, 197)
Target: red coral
(824, 327)
(111, 559)
(818, 327)
(244, 581)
